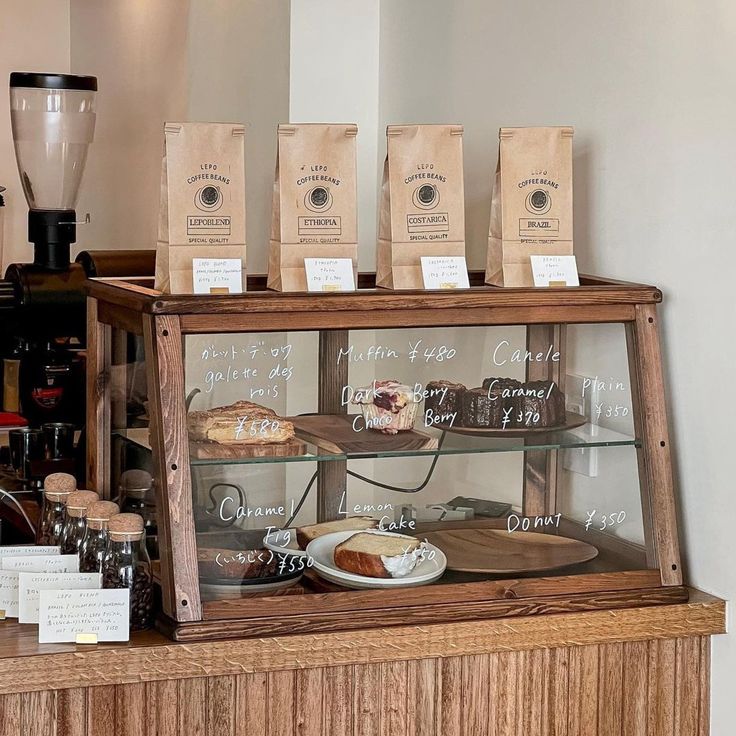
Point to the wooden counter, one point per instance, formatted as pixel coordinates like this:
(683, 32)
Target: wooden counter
(632, 671)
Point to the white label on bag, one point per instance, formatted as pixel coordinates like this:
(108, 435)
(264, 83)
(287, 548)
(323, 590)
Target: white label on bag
(445, 272)
(555, 271)
(217, 275)
(83, 616)
(329, 274)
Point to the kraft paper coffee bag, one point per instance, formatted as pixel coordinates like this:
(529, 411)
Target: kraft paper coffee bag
(531, 208)
(202, 213)
(422, 202)
(315, 201)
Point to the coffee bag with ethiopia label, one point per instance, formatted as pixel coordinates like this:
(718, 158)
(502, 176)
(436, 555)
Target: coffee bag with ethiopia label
(531, 208)
(315, 201)
(202, 213)
(422, 202)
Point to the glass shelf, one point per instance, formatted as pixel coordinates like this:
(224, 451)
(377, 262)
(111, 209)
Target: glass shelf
(448, 443)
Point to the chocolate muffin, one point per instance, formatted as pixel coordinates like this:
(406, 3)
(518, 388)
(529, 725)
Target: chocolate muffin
(445, 397)
(546, 399)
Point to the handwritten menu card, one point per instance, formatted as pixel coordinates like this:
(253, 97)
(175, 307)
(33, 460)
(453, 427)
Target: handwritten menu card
(329, 274)
(42, 563)
(9, 593)
(65, 614)
(41, 554)
(25, 550)
(555, 271)
(217, 275)
(445, 272)
(31, 583)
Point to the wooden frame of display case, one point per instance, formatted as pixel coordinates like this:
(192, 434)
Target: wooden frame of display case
(164, 319)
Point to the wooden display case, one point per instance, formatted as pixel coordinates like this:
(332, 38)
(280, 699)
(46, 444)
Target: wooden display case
(625, 573)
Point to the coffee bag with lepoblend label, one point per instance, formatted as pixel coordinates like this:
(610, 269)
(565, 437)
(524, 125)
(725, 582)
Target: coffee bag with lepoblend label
(314, 212)
(422, 202)
(531, 208)
(202, 212)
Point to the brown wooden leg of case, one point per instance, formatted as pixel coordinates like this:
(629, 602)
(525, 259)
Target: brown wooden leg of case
(332, 478)
(170, 444)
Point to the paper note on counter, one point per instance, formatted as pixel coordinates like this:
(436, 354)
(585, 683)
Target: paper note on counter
(38, 563)
(9, 593)
(31, 583)
(445, 272)
(329, 274)
(64, 615)
(26, 550)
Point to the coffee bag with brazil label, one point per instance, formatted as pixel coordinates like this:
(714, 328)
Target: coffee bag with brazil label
(314, 213)
(422, 202)
(531, 208)
(202, 212)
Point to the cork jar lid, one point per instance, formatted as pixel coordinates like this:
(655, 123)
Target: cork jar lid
(58, 486)
(80, 500)
(126, 525)
(102, 510)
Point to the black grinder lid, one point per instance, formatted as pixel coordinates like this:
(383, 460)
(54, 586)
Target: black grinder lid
(40, 80)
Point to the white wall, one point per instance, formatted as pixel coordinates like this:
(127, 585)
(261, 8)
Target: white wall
(34, 36)
(649, 89)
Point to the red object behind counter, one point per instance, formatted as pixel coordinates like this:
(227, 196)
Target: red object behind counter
(12, 420)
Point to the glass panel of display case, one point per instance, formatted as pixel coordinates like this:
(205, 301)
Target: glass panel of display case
(323, 462)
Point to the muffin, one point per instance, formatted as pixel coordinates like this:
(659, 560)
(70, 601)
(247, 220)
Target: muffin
(388, 406)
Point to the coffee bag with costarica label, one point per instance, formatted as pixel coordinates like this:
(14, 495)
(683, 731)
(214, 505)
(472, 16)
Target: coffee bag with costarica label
(422, 202)
(531, 208)
(314, 212)
(202, 212)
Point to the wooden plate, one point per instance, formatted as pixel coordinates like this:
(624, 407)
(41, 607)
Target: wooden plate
(497, 551)
(573, 420)
(234, 451)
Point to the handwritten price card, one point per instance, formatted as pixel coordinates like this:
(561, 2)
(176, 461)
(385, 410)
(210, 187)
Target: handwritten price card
(42, 563)
(555, 271)
(26, 550)
(65, 614)
(32, 583)
(217, 275)
(445, 272)
(329, 274)
(9, 593)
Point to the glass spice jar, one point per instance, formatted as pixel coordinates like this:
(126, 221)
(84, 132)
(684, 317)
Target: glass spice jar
(127, 565)
(94, 544)
(136, 496)
(75, 523)
(56, 490)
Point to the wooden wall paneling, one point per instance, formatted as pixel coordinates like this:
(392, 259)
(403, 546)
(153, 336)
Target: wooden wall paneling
(101, 711)
(130, 710)
(476, 695)
(337, 700)
(38, 713)
(170, 443)
(687, 686)
(661, 707)
(221, 701)
(309, 706)
(704, 690)
(162, 707)
(98, 401)
(610, 684)
(635, 688)
(71, 712)
(193, 708)
(10, 714)
(583, 692)
(367, 706)
(656, 443)
(558, 691)
(451, 710)
(423, 692)
(534, 716)
(250, 709)
(332, 478)
(280, 702)
(394, 696)
(506, 693)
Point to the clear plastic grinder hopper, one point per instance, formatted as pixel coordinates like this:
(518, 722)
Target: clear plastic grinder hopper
(53, 122)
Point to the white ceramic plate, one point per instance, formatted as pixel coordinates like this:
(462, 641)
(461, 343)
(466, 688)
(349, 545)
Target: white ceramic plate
(283, 541)
(321, 550)
(236, 591)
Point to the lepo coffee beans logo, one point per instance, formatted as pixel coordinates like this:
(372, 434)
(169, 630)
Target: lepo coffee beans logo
(318, 199)
(426, 197)
(538, 202)
(208, 199)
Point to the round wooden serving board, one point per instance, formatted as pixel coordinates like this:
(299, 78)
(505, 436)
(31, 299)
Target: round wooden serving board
(496, 551)
(573, 420)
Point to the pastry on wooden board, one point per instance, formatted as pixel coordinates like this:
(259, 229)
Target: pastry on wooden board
(305, 534)
(241, 423)
(378, 555)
